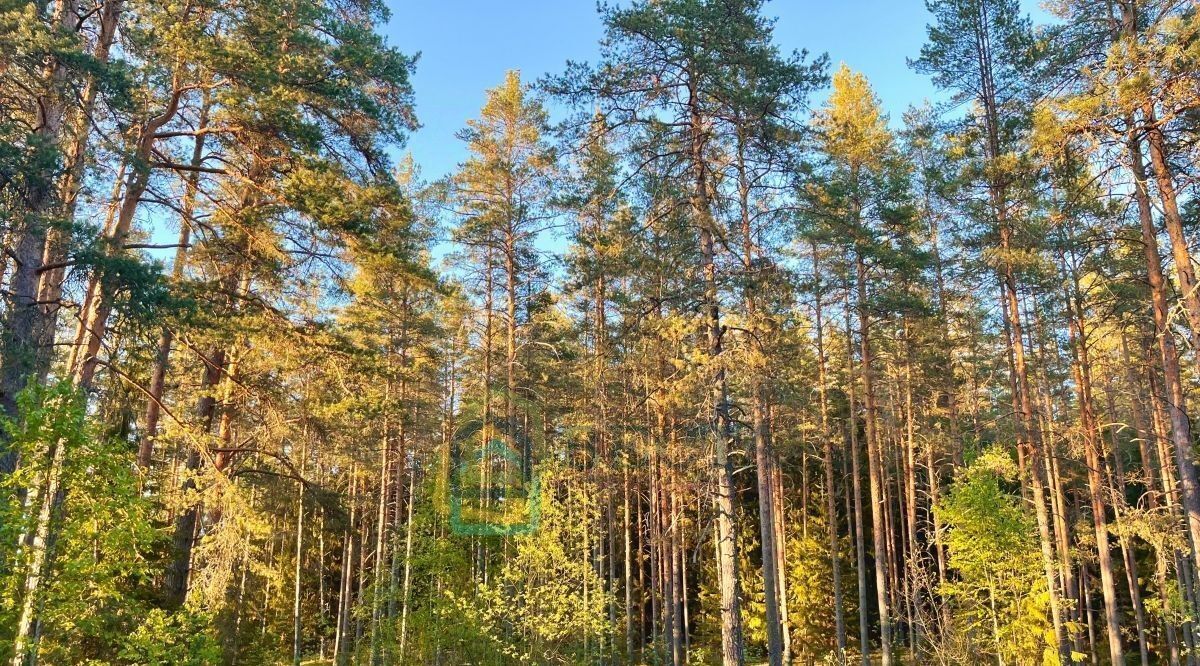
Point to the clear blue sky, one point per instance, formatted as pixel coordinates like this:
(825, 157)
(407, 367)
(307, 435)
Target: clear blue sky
(466, 47)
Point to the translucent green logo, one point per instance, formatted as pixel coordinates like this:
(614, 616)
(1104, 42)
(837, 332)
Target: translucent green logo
(491, 496)
(493, 488)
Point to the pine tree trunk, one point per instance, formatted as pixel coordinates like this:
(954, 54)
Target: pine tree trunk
(341, 641)
(1176, 404)
(179, 571)
(864, 639)
(322, 608)
(408, 543)
(827, 439)
(628, 562)
(1028, 435)
(914, 561)
(1115, 476)
(732, 653)
(99, 300)
(950, 387)
(166, 339)
(381, 529)
(1184, 269)
(763, 454)
(675, 572)
(875, 473)
(297, 621)
(781, 565)
(55, 253)
(23, 316)
(1093, 458)
(1030, 441)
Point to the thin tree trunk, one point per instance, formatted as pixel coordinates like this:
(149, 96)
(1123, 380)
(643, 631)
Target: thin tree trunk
(408, 542)
(860, 548)
(341, 647)
(781, 566)
(1093, 458)
(760, 426)
(99, 300)
(179, 571)
(1116, 480)
(1030, 441)
(381, 530)
(879, 530)
(297, 623)
(628, 571)
(827, 439)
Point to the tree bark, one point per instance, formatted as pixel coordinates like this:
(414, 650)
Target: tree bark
(875, 474)
(1093, 458)
(827, 439)
(864, 638)
(764, 457)
(732, 653)
(24, 316)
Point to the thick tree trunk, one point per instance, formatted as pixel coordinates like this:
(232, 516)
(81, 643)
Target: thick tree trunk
(54, 256)
(1176, 402)
(732, 653)
(1184, 269)
(24, 316)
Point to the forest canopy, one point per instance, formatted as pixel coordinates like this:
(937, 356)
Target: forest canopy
(699, 356)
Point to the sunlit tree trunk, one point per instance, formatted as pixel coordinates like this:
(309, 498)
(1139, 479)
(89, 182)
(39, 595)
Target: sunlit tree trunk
(875, 472)
(722, 425)
(25, 246)
(1093, 458)
(864, 639)
(764, 457)
(297, 620)
(166, 340)
(827, 440)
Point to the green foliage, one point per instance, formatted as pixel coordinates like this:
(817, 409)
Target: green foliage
(547, 600)
(98, 592)
(810, 589)
(171, 639)
(998, 594)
